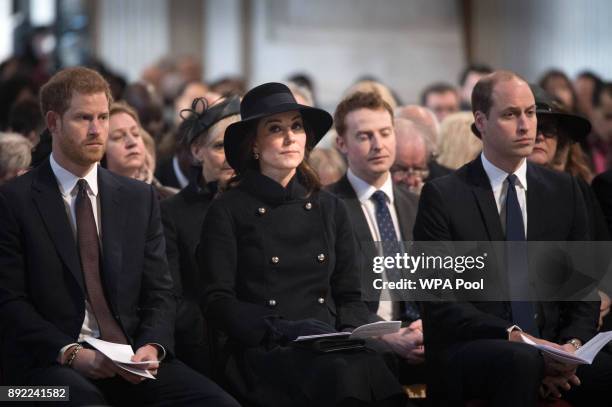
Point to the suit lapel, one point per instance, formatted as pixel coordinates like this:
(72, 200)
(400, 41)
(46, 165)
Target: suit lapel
(112, 232)
(406, 213)
(346, 192)
(50, 204)
(536, 203)
(481, 187)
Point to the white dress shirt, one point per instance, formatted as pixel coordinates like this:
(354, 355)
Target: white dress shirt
(364, 192)
(499, 183)
(67, 182)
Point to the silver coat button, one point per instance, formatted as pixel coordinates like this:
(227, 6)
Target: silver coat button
(321, 300)
(321, 258)
(274, 260)
(308, 206)
(261, 211)
(272, 303)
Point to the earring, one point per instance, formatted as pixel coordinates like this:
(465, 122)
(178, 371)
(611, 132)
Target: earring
(256, 156)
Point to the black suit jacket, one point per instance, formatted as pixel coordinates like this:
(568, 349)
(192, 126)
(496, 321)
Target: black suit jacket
(602, 187)
(461, 207)
(405, 204)
(42, 291)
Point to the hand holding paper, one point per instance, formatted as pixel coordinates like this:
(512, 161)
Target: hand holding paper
(121, 355)
(582, 356)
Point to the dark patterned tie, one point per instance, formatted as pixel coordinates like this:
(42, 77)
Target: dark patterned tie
(391, 246)
(89, 250)
(516, 256)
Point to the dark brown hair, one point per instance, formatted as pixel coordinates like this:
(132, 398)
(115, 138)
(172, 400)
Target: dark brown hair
(356, 101)
(56, 94)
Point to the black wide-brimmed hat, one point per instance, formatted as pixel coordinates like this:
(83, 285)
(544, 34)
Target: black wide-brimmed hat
(203, 116)
(576, 127)
(266, 100)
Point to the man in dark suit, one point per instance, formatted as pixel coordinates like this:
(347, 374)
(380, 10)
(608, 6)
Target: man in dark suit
(82, 255)
(364, 123)
(474, 348)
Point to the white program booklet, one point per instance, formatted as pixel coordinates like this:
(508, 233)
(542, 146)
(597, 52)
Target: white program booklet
(582, 356)
(364, 331)
(121, 355)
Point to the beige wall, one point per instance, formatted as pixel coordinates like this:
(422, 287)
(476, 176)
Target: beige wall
(531, 36)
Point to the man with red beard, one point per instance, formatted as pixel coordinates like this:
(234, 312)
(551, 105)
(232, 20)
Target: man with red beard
(82, 256)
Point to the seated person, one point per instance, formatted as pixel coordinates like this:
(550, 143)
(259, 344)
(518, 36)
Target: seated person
(277, 260)
(183, 215)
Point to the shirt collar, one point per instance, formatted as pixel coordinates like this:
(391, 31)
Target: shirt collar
(497, 176)
(67, 180)
(364, 191)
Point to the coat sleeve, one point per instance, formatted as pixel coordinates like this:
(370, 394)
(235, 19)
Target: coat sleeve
(217, 254)
(172, 251)
(457, 320)
(579, 317)
(345, 281)
(16, 311)
(157, 301)
(602, 187)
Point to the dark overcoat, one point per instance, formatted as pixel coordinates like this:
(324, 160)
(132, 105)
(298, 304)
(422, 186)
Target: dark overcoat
(268, 252)
(182, 217)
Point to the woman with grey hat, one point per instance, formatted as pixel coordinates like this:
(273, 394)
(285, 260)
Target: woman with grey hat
(202, 130)
(278, 260)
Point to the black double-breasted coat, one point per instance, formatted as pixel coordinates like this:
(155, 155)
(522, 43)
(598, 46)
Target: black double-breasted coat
(268, 251)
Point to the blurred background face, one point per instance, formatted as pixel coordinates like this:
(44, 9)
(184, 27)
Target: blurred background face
(280, 142)
(560, 88)
(410, 167)
(546, 141)
(584, 92)
(442, 104)
(210, 152)
(603, 117)
(470, 81)
(125, 150)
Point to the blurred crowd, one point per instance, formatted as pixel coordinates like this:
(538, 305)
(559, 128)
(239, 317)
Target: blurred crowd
(167, 129)
(433, 135)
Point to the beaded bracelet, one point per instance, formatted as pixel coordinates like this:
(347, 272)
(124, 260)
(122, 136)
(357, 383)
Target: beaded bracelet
(73, 355)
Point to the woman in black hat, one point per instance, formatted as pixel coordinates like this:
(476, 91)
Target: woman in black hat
(278, 260)
(202, 129)
(557, 146)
